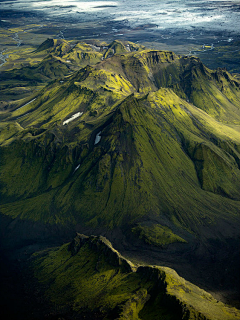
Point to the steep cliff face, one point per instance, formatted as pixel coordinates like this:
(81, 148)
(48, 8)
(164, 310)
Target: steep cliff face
(88, 276)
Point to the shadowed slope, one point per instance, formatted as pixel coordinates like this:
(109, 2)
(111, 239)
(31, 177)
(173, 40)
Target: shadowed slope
(215, 92)
(150, 162)
(53, 59)
(117, 148)
(89, 278)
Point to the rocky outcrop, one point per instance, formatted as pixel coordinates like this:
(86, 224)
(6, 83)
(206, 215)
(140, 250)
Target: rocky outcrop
(103, 246)
(90, 277)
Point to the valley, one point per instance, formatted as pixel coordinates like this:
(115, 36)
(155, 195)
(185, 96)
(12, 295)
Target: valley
(184, 27)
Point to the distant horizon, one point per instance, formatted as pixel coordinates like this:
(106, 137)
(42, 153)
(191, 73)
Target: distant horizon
(218, 15)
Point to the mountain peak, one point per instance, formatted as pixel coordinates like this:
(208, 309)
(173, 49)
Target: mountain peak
(103, 246)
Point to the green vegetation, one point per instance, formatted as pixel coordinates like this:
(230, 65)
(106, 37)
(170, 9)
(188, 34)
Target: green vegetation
(156, 235)
(118, 137)
(28, 69)
(89, 277)
(160, 158)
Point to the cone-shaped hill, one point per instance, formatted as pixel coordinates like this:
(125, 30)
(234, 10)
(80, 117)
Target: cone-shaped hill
(143, 147)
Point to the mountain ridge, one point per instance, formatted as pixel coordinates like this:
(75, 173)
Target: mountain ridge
(124, 148)
(152, 291)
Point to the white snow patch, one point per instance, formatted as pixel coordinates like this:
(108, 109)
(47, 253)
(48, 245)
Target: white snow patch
(98, 137)
(76, 115)
(96, 48)
(77, 167)
(26, 104)
(23, 115)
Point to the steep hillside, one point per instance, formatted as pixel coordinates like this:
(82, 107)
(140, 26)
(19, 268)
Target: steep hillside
(27, 71)
(151, 156)
(215, 92)
(89, 279)
(143, 147)
(183, 164)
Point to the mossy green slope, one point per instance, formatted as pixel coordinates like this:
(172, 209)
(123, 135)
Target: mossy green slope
(91, 92)
(159, 158)
(48, 69)
(53, 59)
(215, 92)
(89, 278)
(145, 168)
(126, 147)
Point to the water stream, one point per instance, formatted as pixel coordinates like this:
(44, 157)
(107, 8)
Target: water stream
(3, 57)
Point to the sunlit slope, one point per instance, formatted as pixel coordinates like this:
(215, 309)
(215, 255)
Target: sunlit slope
(159, 159)
(27, 70)
(53, 59)
(91, 92)
(80, 53)
(127, 142)
(89, 278)
(216, 92)
(74, 53)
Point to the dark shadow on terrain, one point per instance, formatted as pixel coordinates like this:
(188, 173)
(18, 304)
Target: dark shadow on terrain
(215, 270)
(19, 295)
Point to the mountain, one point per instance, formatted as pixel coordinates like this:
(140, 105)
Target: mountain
(89, 279)
(152, 140)
(33, 69)
(142, 147)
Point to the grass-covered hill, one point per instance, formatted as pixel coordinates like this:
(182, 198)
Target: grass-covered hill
(139, 145)
(28, 70)
(89, 279)
(168, 146)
